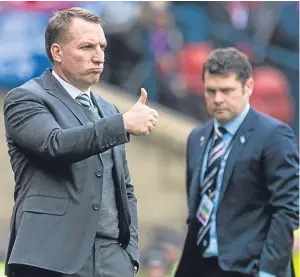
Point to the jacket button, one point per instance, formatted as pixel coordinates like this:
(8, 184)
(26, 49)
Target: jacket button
(98, 173)
(96, 207)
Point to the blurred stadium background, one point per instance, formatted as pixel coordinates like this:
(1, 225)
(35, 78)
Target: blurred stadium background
(160, 46)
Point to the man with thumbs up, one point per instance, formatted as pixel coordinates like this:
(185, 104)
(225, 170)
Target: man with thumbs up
(75, 210)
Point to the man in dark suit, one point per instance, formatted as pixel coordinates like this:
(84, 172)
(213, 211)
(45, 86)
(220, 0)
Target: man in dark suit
(75, 210)
(242, 181)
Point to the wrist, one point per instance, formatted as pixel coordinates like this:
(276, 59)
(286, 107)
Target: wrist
(124, 116)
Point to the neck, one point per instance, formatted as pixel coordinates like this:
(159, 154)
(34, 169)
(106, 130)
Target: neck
(67, 79)
(224, 122)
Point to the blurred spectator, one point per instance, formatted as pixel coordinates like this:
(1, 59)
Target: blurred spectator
(245, 23)
(191, 60)
(165, 41)
(286, 31)
(171, 242)
(172, 256)
(192, 20)
(155, 264)
(125, 49)
(254, 18)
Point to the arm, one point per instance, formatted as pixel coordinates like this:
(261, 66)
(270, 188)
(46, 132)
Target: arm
(191, 195)
(281, 165)
(32, 127)
(132, 248)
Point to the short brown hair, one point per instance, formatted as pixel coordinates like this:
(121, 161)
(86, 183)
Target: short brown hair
(228, 60)
(57, 27)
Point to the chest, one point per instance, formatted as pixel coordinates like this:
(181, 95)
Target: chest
(242, 170)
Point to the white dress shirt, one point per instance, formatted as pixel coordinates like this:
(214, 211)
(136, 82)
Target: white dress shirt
(74, 92)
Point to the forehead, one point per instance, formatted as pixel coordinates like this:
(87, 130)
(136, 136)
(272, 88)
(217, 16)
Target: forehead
(82, 30)
(221, 80)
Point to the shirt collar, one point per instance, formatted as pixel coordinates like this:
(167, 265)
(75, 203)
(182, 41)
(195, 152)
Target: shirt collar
(74, 92)
(232, 126)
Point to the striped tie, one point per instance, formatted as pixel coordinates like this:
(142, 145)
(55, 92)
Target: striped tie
(210, 177)
(84, 100)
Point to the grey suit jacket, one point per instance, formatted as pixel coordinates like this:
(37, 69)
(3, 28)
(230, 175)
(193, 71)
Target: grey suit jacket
(55, 155)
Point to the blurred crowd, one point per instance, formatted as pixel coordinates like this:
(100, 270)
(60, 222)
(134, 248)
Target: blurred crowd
(161, 257)
(162, 46)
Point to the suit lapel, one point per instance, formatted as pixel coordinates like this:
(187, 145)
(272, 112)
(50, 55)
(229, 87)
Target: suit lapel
(200, 145)
(53, 87)
(100, 104)
(239, 142)
(203, 143)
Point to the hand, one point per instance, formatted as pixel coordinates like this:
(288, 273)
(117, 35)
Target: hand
(140, 119)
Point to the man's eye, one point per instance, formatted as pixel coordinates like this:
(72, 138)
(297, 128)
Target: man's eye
(210, 91)
(228, 90)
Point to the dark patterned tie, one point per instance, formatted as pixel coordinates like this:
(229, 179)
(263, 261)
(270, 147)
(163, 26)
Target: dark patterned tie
(84, 100)
(210, 178)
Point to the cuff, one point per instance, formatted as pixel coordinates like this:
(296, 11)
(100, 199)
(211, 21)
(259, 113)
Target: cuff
(114, 130)
(265, 274)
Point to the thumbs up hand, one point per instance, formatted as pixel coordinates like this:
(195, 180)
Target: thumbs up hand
(140, 119)
(143, 97)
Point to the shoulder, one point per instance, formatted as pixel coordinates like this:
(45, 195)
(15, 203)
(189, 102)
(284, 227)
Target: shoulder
(267, 122)
(198, 135)
(268, 125)
(29, 90)
(200, 130)
(275, 134)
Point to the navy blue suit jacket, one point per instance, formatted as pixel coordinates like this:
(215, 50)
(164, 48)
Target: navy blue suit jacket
(258, 204)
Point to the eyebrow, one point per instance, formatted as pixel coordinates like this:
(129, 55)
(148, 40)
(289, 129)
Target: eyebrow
(219, 88)
(92, 43)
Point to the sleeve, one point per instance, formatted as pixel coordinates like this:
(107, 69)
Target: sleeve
(132, 248)
(281, 166)
(31, 126)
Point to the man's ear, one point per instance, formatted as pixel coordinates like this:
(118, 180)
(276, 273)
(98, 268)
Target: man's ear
(249, 86)
(56, 52)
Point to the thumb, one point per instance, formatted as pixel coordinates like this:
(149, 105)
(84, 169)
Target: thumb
(143, 97)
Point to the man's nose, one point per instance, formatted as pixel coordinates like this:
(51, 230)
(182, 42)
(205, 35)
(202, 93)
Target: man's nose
(98, 56)
(219, 97)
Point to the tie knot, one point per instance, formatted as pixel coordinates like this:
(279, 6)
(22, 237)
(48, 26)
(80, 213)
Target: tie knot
(221, 131)
(84, 100)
